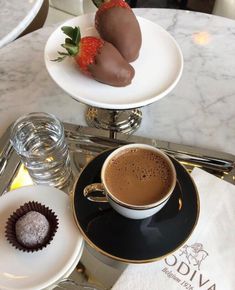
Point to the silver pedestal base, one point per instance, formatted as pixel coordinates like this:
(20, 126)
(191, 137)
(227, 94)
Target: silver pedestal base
(122, 121)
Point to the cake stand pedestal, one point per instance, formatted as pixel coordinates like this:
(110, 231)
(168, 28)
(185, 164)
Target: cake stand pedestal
(122, 121)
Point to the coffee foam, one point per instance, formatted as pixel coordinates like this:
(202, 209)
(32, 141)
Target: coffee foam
(141, 172)
(138, 176)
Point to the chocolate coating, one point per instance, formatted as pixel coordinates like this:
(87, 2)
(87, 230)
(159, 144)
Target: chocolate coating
(120, 27)
(111, 68)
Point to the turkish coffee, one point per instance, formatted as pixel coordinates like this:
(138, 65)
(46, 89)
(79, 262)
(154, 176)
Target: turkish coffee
(138, 176)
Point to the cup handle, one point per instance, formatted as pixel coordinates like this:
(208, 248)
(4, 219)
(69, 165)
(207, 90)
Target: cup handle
(90, 190)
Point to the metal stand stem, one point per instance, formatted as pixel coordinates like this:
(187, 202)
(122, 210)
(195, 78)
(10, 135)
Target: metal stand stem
(123, 121)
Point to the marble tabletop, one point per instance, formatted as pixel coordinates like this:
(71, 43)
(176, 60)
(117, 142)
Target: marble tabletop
(15, 16)
(200, 111)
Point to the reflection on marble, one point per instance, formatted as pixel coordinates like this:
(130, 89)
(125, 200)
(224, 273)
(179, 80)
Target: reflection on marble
(200, 111)
(15, 16)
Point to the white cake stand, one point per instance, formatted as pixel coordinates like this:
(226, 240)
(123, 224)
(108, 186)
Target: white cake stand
(157, 71)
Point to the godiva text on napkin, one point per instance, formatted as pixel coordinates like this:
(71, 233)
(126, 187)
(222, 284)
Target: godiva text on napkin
(186, 268)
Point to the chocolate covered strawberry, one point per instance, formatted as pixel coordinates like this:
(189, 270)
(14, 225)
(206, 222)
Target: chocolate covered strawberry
(97, 58)
(117, 24)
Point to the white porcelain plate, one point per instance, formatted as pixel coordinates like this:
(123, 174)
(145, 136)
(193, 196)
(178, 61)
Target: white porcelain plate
(38, 270)
(157, 70)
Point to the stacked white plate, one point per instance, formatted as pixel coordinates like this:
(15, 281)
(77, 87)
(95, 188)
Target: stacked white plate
(42, 269)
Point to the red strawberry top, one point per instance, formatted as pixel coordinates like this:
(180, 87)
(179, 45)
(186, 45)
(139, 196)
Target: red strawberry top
(83, 49)
(108, 5)
(88, 48)
(113, 3)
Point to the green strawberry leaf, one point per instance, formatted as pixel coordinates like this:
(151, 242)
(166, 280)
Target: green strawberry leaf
(71, 42)
(59, 59)
(76, 35)
(68, 30)
(68, 40)
(62, 53)
(71, 48)
(98, 3)
(73, 34)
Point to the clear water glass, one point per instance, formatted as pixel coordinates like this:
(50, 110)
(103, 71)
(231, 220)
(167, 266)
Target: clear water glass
(39, 140)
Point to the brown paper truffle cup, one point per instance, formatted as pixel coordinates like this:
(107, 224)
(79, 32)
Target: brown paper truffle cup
(31, 206)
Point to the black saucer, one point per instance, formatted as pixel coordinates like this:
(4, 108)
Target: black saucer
(136, 241)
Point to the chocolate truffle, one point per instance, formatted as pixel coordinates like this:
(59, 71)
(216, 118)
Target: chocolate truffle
(32, 229)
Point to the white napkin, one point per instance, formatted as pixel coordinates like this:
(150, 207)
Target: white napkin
(212, 247)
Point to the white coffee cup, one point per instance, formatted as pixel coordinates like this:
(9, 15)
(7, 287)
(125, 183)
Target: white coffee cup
(136, 210)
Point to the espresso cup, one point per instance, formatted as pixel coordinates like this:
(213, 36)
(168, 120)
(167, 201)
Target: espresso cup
(137, 180)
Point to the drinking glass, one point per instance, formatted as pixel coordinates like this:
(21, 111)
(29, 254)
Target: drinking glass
(39, 140)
